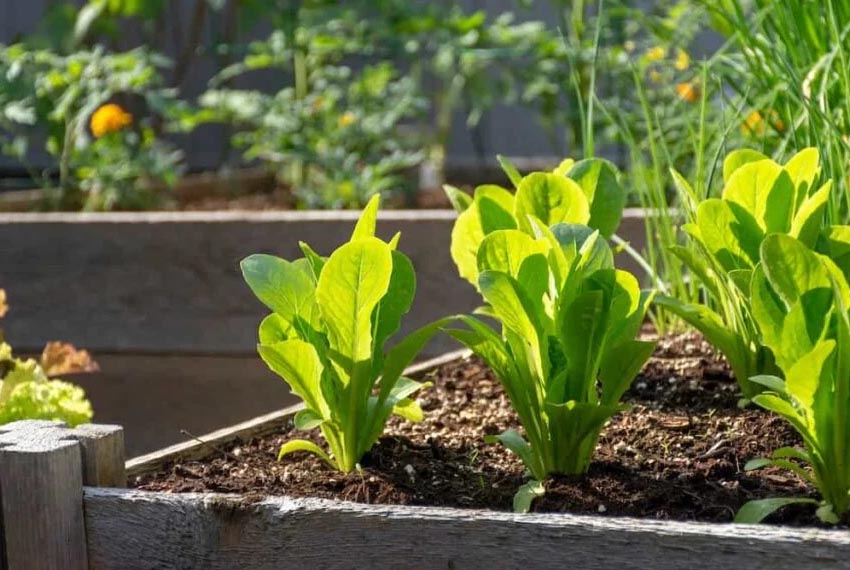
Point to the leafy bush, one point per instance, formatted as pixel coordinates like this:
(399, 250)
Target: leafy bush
(26, 390)
(49, 95)
(760, 197)
(326, 337)
(338, 145)
(566, 352)
(801, 302)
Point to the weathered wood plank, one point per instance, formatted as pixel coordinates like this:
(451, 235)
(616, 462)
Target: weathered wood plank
(135, 530)
(41, 496)
(169, 282)
(102, 454)
(255, 427)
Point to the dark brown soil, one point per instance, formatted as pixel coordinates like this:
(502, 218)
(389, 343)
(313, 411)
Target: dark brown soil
(678, 453)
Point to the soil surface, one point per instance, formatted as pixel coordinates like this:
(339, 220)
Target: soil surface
(678, 453)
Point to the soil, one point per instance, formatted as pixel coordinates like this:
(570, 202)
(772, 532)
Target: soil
(678, 453)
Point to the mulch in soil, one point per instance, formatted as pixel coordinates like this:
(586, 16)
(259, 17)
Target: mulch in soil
(678, 453)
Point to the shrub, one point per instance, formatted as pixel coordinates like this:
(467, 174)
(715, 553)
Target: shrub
(326, 337)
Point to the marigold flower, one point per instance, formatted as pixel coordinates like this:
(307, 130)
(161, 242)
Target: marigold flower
(656, 54)
(689, 91)
(346, 119)
(3, 306)
(109, 118)
(683, 60)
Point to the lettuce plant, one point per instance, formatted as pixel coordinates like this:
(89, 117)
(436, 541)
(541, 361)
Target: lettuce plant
(327, 333)
(800, 302)
(567, 350)
(27, 390)
(586, 192)
(760, 197)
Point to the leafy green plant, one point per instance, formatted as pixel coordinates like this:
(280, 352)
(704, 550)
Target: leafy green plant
(27, 390)
(760, 197)
(800, 302)
(55, 97)
(565, 311)
(326, 337)
(567, 350)
(344, 137)
(585, 192)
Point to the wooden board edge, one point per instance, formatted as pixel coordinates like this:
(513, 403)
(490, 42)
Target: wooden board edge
(222, 502)
(255, 427)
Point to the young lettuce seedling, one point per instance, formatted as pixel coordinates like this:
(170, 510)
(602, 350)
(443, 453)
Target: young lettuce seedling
(567, 350)
(760, 198)
(801, 301)
(331, 319)
(585, 192)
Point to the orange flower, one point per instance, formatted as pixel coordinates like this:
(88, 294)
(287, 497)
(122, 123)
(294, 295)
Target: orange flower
(109, 118)
(689, 91)
(3, 306)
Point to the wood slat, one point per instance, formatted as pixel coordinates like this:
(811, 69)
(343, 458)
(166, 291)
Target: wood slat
(134, 530)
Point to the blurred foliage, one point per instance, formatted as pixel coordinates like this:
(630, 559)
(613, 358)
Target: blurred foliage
(28, 389)
(344, 136)
(50, 96)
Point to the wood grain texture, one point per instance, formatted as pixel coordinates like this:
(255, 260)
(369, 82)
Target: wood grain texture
(41, 498)
(169, 282)
(138, 530)
(255, 427)
(102, 454)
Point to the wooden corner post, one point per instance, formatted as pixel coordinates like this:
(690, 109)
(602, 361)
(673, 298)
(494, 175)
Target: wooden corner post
(43, 467)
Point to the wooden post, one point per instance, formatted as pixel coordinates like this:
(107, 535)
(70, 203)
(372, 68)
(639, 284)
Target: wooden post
(43, 466)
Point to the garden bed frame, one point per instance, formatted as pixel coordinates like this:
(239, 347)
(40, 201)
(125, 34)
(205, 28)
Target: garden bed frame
(62, 507)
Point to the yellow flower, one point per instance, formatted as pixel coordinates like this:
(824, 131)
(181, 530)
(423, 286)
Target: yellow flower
(689, 91)
(629, 46)
(109, 118)
(753, 124)
(346, 119)
(683, 60)
(655, 76)
(3, 306)
(656, 54)
(756, 123)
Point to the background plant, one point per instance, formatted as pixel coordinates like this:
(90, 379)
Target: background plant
(336, 146)
(53, 97)
(27, 390)
(327, 334)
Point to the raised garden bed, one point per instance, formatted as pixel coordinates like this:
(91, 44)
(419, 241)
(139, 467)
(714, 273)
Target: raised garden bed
(118, 528)
(140, 286)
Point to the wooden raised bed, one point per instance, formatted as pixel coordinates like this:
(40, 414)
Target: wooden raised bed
(159, 299)
(56, 514)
